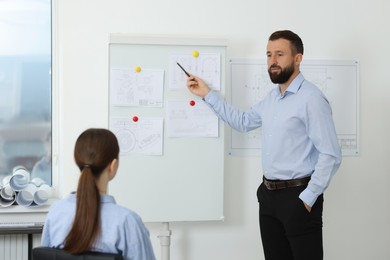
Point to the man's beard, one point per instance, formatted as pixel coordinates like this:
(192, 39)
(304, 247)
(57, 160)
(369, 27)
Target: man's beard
(283, 76)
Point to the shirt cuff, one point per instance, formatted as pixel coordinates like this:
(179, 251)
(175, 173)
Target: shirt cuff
(211, 98)
(308, 197)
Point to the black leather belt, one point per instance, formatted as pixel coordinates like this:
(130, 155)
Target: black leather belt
(282, 184)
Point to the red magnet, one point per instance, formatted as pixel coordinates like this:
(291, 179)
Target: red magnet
(192, 103)
(135, 118)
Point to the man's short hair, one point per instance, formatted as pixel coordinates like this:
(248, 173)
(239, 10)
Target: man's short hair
(294, 39)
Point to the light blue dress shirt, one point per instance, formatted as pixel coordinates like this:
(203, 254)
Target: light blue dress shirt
(298, 134)
(122, 230)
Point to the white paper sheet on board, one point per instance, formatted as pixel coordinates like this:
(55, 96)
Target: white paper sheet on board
(131, 88)
(142, 136)
(187, 118)
(206, 66)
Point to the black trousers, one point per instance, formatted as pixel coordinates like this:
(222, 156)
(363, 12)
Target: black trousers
(288, 231)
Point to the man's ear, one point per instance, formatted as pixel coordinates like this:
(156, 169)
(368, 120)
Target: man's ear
(298, 59)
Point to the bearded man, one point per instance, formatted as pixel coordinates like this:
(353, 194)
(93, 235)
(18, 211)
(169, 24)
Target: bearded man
(300, 151)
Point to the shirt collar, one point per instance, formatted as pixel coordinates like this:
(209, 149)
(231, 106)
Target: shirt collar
(107, 199)
(295, 84)
(104, 198)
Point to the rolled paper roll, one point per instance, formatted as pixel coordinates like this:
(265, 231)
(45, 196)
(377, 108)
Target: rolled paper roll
(38, 182)
(20, 178)
(7, 192)
(7, 202)
(6, 179)
(26, 197)
(42, 195)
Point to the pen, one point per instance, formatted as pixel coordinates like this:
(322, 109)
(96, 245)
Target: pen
(183, 69)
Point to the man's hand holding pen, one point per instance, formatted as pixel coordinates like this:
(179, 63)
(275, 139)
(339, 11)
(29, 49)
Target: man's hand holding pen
(197, 86)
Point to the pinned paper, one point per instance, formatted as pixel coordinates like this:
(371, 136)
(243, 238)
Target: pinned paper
(206, 66)
(190, 121)
(131, 88)
(142, 137)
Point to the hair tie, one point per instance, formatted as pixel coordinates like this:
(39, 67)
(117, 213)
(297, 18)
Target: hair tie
(86, 166)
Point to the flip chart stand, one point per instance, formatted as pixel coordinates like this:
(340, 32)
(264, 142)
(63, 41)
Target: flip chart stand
(165, 241)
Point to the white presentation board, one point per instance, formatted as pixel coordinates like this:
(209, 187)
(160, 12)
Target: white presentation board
(172, 149)
(338, 80)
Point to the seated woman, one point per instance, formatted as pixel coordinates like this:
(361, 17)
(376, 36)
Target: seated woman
(90, 220)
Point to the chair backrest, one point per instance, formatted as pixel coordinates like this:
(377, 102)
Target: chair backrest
(48, 253)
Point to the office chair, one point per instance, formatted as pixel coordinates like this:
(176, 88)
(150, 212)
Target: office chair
(48, 253)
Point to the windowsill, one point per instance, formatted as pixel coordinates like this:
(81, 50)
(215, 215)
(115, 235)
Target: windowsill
(22, 209)
(21, 214)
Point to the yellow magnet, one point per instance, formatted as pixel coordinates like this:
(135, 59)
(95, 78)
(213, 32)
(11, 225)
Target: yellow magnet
(195, 54)
(138, 69)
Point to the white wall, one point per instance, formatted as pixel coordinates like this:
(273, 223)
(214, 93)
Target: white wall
(357, 208)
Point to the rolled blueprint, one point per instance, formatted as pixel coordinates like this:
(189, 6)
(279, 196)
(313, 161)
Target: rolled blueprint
(20, 178)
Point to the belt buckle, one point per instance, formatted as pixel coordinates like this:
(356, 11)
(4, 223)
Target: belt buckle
(269, 185)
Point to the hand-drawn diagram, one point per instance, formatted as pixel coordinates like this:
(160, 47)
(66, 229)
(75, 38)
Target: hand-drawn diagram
(131, 88)
(186, 120)
(142, 137)
(207, 66)
(338, 80)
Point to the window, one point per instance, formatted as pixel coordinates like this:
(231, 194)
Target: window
(26, 87)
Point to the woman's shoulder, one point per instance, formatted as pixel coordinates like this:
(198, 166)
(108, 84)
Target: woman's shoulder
(61, 209)
(127, 213)
(58, 204)
(112, 210)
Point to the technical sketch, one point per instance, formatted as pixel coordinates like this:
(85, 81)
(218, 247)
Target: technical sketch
(131, 88)
(186, 120)
(142, 137)
(207, 66)
(127, 140)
